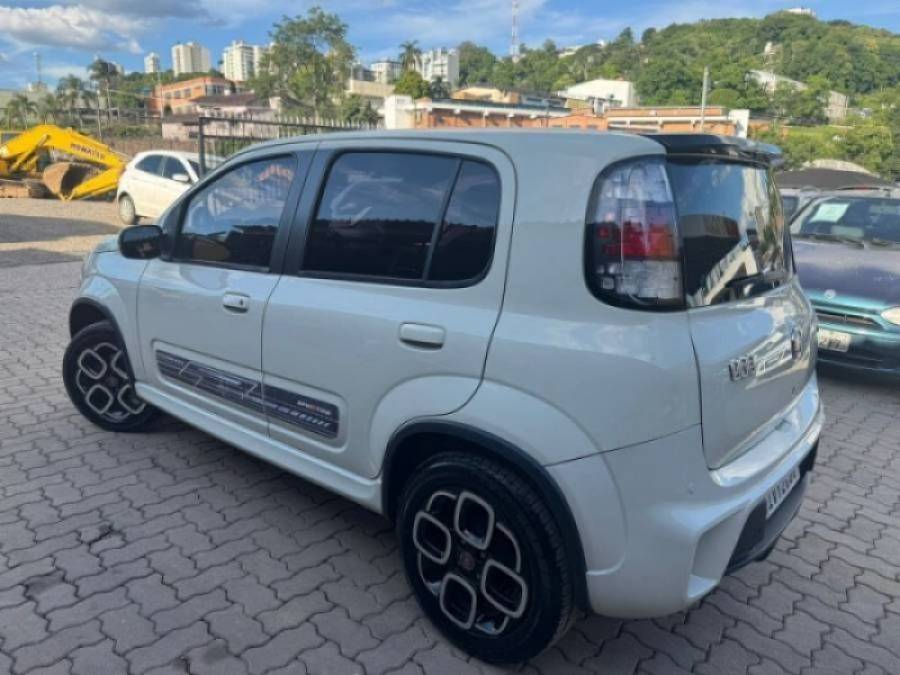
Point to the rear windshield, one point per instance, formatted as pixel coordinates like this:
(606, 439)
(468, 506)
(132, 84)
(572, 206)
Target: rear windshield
(875, 220)
(731, 226)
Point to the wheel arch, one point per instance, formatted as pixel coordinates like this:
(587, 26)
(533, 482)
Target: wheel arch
(415, 443)
(85, 311)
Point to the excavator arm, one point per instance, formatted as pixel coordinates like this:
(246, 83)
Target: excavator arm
(20, 153)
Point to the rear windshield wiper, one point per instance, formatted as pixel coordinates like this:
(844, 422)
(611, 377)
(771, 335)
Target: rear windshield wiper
(771, 279)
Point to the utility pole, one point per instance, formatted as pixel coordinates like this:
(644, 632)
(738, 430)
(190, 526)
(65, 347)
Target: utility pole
(38, 70)
(703, 98)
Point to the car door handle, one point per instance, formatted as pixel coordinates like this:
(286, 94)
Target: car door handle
(236, 302)
(422, 335)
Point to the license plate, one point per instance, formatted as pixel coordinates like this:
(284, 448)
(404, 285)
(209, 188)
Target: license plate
(834, 340)
(781, 490)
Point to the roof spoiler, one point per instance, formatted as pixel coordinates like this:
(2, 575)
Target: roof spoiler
(720, 146)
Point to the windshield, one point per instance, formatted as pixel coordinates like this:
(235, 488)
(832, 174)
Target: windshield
(790, 204)
(875, 220)
(731, 225)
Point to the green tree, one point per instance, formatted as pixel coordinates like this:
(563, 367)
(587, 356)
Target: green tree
(19, 110)
(47, 108)
(476, 63)
(410, 53)
(308, 63)
(439, 89)
(356, 110)
(410, 83)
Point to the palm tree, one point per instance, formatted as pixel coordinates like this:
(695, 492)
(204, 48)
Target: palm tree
(410, 54)
(47, 108)
(19, 109)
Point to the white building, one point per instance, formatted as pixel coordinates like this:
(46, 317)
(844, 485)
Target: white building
(386, 71)
(603, 94)
(440, 63)
(190, 57)
(242, 61)
(802, 11)
(151, 63)
(836, 106)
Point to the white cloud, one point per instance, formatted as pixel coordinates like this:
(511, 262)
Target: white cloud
(74, 27)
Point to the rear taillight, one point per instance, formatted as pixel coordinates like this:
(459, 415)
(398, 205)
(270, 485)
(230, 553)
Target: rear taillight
(634, 256)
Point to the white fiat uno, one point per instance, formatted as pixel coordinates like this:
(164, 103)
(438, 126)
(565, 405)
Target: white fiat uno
(574, 369)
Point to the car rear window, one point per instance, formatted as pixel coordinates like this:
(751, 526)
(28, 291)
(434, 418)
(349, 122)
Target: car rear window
(731, 225)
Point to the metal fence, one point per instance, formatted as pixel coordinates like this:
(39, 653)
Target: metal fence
(220, 137)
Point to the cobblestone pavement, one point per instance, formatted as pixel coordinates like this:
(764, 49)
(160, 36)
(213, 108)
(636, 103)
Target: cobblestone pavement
(170, 552)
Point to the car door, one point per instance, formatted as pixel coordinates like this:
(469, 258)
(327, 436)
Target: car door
(174, 180)
(392, 288)
(141, 184)
(201, 306)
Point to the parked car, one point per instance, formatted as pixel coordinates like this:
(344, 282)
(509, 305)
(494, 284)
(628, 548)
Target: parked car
(574, 370)
(847, 249)
(152, 181)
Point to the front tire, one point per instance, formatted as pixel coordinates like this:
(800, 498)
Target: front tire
(485, 558)
(127, 211)
(100, 382)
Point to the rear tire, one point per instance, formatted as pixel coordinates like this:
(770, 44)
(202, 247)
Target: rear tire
(127, 213)
(100, 382)
(485, 558)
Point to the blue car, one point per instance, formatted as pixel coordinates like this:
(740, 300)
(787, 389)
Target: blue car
(847, 254)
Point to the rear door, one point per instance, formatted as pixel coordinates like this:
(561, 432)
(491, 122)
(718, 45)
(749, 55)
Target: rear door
(389, 296)
(751, 333)
(201, 307)
(169, 188)
(141, 183)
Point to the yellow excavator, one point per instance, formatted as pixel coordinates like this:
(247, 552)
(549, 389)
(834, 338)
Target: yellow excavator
(96, 172)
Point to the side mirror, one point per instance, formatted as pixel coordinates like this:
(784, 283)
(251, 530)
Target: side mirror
(181, 178)
(141, 242)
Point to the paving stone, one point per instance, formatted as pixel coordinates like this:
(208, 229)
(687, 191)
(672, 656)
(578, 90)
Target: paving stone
(282, 649)
(98, 658)
(294, 612)
(127, 628)
(56, 646)
(168, 648)
(351, 636)
(237, 629)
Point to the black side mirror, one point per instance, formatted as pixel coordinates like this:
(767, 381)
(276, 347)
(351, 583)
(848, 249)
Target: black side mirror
(141, 241)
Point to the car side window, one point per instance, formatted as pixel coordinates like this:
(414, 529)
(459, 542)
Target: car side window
(234, 219)
(171, 167)
(404, 216)
(150, 164)
(466, 238)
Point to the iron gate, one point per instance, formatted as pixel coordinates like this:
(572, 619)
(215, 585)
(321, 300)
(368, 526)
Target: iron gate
(220, 137)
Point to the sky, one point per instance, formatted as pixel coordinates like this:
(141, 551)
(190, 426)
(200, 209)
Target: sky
(68, 35)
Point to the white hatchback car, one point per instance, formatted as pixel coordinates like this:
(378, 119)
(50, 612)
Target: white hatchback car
(574, 369)
(152, 181)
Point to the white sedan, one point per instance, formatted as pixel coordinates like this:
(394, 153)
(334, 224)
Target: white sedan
(153, 180)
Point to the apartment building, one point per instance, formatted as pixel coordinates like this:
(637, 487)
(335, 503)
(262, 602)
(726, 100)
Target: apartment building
(190, 57)
(151, 63)
(386, 71)
(180, 97)
(440, 63)
(242, 61)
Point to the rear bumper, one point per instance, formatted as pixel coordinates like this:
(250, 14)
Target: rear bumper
(870, 350)
(670, 528)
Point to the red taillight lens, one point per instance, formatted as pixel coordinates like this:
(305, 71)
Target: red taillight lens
(634, 256)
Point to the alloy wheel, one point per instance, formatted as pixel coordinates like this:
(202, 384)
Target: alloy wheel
(105, 384)
(470, 561)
